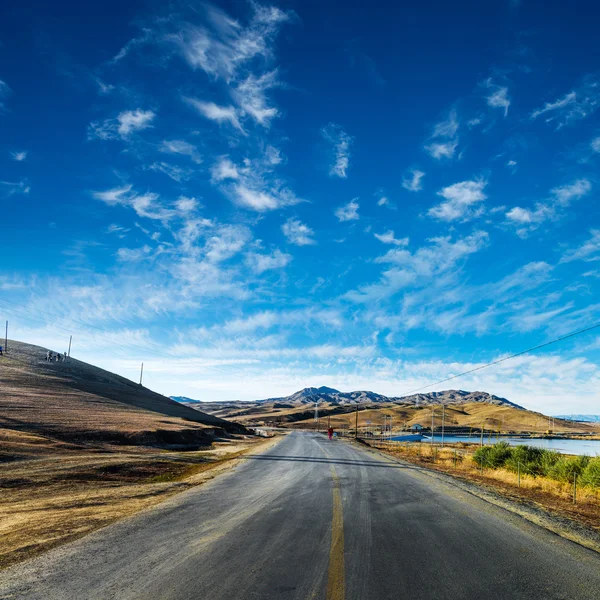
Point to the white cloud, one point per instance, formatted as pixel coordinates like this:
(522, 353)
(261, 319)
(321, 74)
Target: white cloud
(262, 200)
(133, 254)
(573, 191)
(459, 201)
(527, 220)
(4, 93)
(573, 106)
(260, 263)
(348, 212)
(498, 97)
(134, 120)
(414, 182)
(596, 144)
(383, 201)
(389, 238)
(251, 95)
(9, 188)
(224, 46)
(176, 173)
(589, 251)
(181, 147)
(214, 112)
(224, 169)
(441, 257)
(19, 156)
(123, 126)
(145, 205)
(340, 142)
(298, 233)
(447, 130)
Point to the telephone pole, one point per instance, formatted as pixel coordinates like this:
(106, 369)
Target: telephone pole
(69, 352)
(432, 425)
(356, 425)
(443, 419)
(6, 338)
(141, 373)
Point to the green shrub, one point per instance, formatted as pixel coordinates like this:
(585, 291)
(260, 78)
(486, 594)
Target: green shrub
(567, 467)
(494, 456)
(591, 473)
(527, 459)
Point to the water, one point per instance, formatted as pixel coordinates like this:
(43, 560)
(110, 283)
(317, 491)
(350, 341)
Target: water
(588, 447)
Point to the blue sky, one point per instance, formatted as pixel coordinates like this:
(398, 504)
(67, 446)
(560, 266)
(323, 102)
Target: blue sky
(251, 198)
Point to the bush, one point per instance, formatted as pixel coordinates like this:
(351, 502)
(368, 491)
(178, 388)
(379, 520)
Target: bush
(567, 467)
(528, 459)
(591, 473)
(492, 456)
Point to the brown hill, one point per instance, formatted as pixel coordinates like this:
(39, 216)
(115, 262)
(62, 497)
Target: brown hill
(73, 401)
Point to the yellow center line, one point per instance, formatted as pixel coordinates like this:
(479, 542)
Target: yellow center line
(336, 579)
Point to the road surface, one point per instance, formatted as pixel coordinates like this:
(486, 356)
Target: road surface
(315, 519)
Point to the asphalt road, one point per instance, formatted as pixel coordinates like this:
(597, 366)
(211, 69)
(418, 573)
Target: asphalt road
(314, 519)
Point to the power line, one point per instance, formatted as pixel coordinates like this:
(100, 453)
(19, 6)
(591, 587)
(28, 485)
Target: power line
(495, 362)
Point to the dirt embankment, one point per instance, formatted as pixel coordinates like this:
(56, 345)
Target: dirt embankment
(56, 492)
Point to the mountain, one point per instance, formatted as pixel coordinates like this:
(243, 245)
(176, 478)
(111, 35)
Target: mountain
(580, 418)
(311, 395)
(75, 401)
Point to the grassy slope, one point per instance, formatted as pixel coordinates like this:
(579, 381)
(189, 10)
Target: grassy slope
(73, 401)
(474, 415)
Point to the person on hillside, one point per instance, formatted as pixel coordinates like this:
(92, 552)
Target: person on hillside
(47, 355)
(50, 356)
(330, 433)
(1, 351)
(64, 356)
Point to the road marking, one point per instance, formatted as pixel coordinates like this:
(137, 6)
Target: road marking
(336, 580)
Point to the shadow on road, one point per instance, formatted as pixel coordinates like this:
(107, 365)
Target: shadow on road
(328, 461)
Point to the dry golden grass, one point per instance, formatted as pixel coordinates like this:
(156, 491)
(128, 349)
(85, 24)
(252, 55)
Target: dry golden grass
(66, 493)
(474, 415)
(457, 460)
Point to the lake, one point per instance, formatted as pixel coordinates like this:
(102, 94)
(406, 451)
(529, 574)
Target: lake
(589, 447)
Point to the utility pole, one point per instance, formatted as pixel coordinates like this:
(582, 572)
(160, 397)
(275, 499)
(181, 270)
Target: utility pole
(443, 419)
(481, 444)
(6, 338)
(432, 426)
(356, 425)
(141, 373)
(69, 352)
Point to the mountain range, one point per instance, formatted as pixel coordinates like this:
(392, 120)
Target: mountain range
(580, 418)
(323, 394)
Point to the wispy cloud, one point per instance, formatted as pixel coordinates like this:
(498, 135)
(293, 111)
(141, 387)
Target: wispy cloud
(444, 139)
(527, 220)
(348, 212)
(573, 106)
(214, 112)
(414, 182)
(389, 238)
(596, 144)
(181, 147)
(4, 93)
(9, 188)
(340, 143)
(260, 263)
(126, 123)
(298, 233)
(175, 172)
(251, 95)
(498, 97)
(440, 256)
(19, 156)
(589, 251)
(462, 201)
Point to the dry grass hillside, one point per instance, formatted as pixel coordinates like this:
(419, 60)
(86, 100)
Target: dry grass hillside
(73, 401)
(81, 447)
(474, 415)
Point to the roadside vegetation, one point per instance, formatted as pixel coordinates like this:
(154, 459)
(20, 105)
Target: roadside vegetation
(569, 485)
